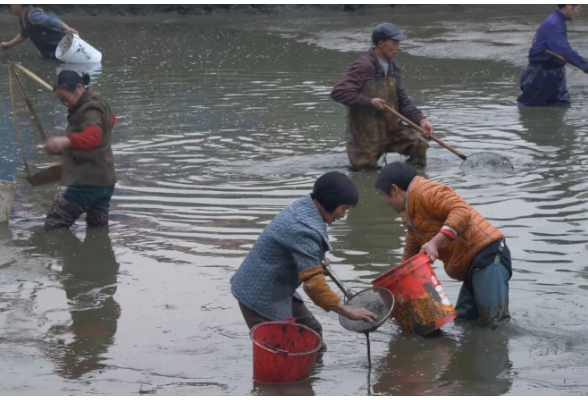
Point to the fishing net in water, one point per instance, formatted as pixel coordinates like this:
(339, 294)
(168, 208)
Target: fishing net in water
(378, 300)
(487, 161)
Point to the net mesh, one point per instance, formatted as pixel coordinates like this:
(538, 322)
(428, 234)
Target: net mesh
(377, 300)
(487, 161)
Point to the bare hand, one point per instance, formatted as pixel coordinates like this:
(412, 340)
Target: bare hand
(404, 218)
(326, 262)
(361, 314)
(68, 29)
(4, 46)
(378, 104)
(430, 249)
(56, 145)
(427, 129)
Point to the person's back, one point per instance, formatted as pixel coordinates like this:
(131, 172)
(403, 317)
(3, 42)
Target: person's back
(290, 252)
(270, 260)
(44, 30)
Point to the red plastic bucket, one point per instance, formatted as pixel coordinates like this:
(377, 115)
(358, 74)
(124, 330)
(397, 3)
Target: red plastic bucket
(422, 306)
(283, 351)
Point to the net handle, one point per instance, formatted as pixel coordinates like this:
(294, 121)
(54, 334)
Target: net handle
(560, 58)
(348, 293)
(15, 118)
(433, 137)
(29, 105)
(34, 77)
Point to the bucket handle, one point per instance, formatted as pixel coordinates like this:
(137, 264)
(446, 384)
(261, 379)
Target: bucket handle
(270, 348)
(289, 321)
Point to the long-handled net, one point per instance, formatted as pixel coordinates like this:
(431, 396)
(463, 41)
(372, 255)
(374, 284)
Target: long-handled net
(35, 176)
(477, 161)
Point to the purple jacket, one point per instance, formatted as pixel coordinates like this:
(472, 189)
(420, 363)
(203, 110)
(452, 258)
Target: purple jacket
(553, 35)
(349, 90)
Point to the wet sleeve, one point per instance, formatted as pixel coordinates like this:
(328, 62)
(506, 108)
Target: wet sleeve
(349, 89)
(405, 106)
(558, 43)
(316, 287)
(50, 22)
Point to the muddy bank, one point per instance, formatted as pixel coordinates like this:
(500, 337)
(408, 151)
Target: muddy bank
(200, 9)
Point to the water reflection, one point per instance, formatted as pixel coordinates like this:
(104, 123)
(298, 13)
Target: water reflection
(212, 142)
(89, 279)
(93, 69)
(547, 127)
(476, 363)
(284, 389)
(5, 232)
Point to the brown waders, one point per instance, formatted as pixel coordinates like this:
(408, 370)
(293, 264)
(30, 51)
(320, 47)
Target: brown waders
(372, 133)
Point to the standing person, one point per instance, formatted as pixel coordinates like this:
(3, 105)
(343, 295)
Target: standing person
(372, 81)
(88, 162)
(44, 29)
(543, 81)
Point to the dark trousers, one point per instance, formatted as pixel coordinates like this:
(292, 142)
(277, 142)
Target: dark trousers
(299, 311)
(543, 86)
(484, 294)
(76, 200)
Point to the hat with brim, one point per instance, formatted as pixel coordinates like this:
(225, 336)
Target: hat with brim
(386, 31)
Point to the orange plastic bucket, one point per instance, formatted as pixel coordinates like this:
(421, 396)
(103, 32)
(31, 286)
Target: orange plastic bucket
(283, 351)
(422, 306)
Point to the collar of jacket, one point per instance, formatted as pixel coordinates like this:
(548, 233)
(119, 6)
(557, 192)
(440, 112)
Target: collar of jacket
(410, 224)
(305, 212)
(81, 101)
(560, 15)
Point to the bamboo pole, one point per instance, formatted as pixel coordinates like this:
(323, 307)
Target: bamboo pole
(15, 118)
(29, 105)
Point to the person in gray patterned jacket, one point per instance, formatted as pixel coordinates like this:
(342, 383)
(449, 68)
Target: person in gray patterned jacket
(291, 252)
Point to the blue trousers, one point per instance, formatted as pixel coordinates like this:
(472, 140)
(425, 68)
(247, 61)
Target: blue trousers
(76, 200)
(543, 86)
(484, 294)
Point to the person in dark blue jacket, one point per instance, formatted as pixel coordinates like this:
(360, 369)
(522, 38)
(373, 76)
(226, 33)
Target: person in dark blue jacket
(44, 29)
(543, 81)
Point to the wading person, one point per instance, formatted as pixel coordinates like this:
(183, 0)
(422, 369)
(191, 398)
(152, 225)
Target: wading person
(444, 226)
(372, 81)
(44, 29)
(543, 81)
(88, 162)
(291, 252)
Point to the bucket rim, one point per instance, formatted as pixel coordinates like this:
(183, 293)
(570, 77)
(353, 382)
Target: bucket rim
(383, 320)
(59, 53)
(399, 266)
(76, 41)
(271, 349)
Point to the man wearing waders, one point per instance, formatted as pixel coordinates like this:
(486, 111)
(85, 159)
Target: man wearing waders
(543, 81)
(44, 29)
(371, 82)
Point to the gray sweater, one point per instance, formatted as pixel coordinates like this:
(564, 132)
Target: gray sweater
(294, 241)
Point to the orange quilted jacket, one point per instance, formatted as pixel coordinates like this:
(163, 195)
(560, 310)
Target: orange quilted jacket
(432, 205)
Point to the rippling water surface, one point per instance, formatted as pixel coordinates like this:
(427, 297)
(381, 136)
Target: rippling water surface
(222, 121)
